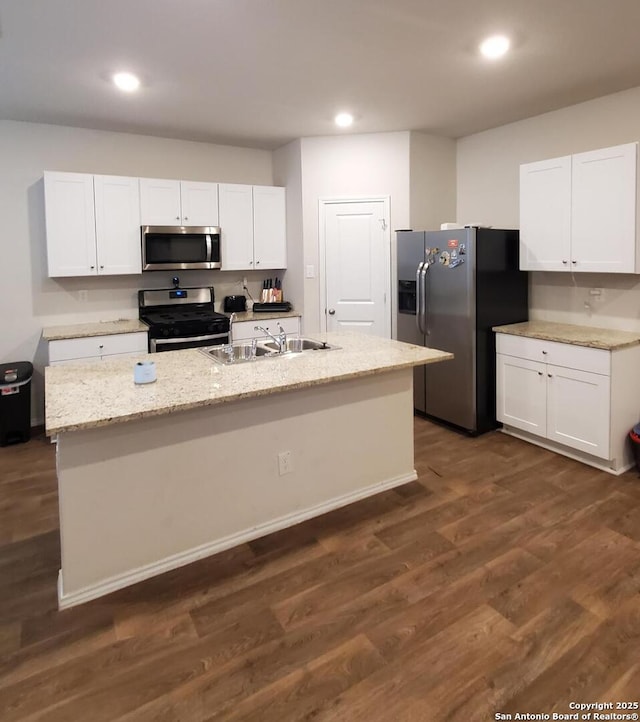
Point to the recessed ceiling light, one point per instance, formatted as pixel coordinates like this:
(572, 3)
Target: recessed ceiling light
(495, 46)
(343, 120)
(126, 81)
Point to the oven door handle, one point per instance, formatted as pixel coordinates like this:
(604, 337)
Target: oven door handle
(155, 342)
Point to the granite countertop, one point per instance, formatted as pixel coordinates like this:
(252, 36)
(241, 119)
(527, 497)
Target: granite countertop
(252, 316)
(98, 328)
(89, 395)
(603, 338)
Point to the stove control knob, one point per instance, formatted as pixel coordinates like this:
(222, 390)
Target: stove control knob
(176, 332)
(165, 332)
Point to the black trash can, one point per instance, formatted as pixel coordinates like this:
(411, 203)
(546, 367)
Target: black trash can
(15, 402)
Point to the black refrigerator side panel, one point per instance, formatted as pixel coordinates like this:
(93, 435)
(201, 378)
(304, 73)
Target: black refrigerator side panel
(502, 297)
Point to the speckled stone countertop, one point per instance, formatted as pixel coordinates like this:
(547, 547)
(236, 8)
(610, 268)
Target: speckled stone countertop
(604, 338)
(251, 316)
(89, 395)
(99, 328)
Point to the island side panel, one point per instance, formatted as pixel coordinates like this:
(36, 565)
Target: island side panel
(140, 498)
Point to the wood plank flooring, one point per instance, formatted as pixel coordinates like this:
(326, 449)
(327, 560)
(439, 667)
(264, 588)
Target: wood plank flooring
(506, 579)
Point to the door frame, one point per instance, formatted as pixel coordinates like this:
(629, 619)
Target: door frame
(323, 204)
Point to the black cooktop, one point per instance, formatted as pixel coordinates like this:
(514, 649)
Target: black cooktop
(176, 316)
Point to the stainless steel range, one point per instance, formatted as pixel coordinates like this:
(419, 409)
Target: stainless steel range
(181, 318)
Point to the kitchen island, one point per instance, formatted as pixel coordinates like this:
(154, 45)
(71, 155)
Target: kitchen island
(155, 476)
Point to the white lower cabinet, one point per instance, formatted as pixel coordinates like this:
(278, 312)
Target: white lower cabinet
(569, 398)
(245, 330)
(94, 348)
(578, 410)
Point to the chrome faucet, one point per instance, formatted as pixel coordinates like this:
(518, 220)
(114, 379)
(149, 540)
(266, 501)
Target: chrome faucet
(232, 318)
(280, 339)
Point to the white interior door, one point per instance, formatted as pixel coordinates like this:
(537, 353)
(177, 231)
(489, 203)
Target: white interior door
(357, 249)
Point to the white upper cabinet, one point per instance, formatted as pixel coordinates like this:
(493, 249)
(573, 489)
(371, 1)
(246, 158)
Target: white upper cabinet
(236, 226)
(269, 227)
(199, 203)
(178, 203)
(603, 210)
(253, 226)
(93, 224)
(117, 209)
(578, 212)
(71, 226)
(160, 202)
(545, 215)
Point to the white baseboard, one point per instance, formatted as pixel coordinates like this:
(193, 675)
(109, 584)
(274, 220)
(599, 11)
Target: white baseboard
(565, 451)
(134, 576)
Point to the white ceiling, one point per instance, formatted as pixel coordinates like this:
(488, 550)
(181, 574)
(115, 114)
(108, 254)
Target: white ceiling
(262, 72)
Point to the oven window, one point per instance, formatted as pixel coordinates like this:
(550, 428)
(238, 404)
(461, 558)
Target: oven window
(178, 248)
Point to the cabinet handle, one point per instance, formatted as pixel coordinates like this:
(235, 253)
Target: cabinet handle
(257, 263)
(101, 346)
(177, 218)
(539, 373)
(549, 375)
(574, 262)
(565, 263)
(186, 218)
(92, 267)
(102, 267)
(544, 353)
(251, 263)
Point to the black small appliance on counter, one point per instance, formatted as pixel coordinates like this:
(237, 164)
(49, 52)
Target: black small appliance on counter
(235, 304)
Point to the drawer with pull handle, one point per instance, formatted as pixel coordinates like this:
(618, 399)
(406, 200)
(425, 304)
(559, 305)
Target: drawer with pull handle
(581, 358)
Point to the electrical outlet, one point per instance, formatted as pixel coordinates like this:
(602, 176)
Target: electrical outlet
(83, 296)
(596, 292)
(285, 462)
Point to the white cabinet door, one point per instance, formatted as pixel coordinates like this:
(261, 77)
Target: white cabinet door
(236, 226)
(117, 204)
(269, 227)
(70, 221)
(160, 202)
(199, 203)
(521, 399)
(545, 215)
(603, 219)
(578, 413)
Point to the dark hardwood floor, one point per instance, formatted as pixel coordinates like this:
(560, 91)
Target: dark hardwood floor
(506, 579)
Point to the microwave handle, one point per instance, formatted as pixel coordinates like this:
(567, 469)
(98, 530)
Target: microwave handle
(209, 251)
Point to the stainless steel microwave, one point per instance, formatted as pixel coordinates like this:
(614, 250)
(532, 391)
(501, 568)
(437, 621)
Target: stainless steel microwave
(178, 248)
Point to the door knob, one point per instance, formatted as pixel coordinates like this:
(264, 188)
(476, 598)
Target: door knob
(332, 312)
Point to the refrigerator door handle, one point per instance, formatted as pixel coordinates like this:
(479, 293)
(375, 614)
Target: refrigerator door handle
(423, 295)
(419, 298)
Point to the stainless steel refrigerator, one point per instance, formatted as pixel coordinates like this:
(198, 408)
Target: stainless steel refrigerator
(453, 286)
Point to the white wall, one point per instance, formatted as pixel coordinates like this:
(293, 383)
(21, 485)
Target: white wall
(487, 168)
(287, 171)
(350, 166)
(432, 181)
(29, 299)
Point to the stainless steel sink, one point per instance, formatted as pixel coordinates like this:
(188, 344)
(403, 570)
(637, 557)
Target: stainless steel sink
(297, 345)
(244, 351)
(232, 353)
